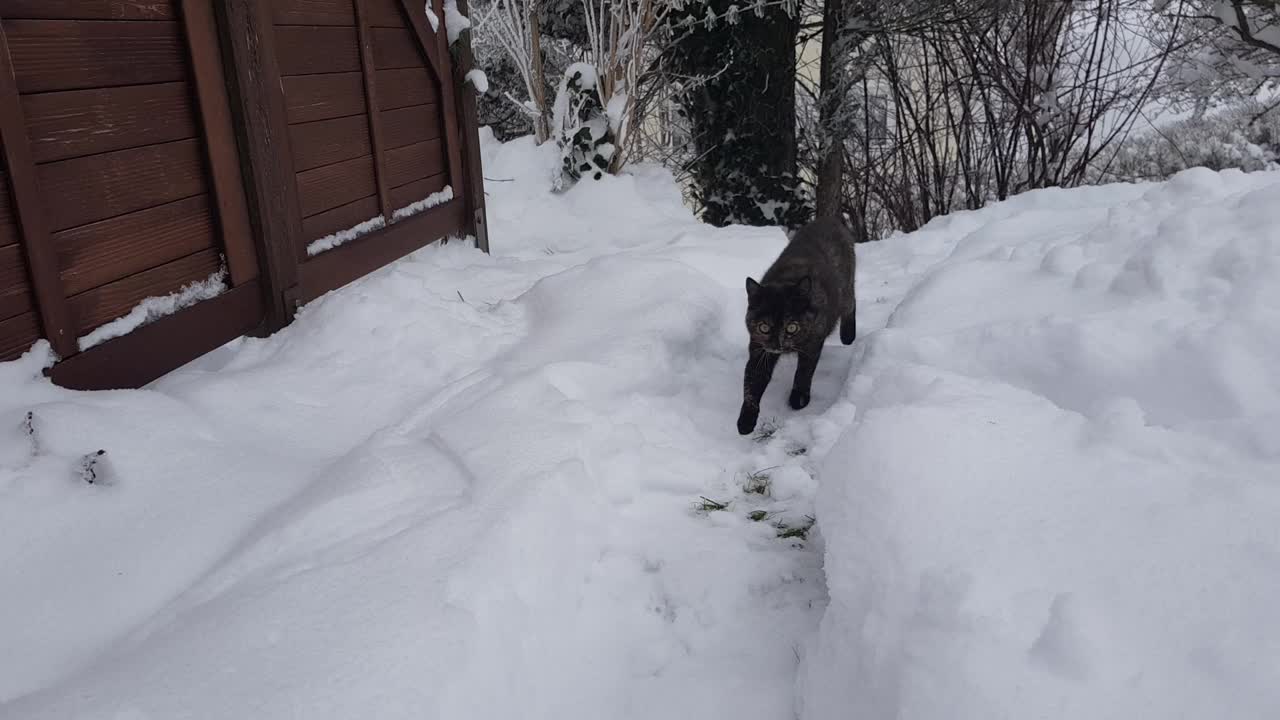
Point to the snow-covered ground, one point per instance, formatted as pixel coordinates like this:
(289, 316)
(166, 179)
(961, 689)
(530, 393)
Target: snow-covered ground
(1046, 478)
(1061, 495)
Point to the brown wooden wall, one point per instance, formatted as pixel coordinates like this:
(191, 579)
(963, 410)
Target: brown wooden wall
(127, 152)
(341, 103)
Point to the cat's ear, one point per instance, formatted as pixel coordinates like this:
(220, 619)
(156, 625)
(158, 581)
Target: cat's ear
(752, 287)
(804, 285)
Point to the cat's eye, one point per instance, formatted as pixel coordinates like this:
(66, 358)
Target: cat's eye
(763, 327)
(792, 328)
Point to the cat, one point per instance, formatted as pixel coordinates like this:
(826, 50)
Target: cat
(795, 307)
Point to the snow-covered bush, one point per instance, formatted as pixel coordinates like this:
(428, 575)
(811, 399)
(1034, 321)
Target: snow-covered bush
(508, 45)
(1243, 137)
(581, 126)
(1222, 50)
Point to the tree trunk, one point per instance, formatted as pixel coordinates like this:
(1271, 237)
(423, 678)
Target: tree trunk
(742, 113)
(542, 122)
(831, 102)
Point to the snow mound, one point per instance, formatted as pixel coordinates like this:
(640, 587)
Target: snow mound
(1060, 494)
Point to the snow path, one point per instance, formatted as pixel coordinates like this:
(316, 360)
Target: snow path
(465, 487)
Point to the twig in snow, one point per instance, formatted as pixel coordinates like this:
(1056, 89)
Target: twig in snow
(29, 427)
(798, 531)
(709, 505)
(758, 481)
(89, 466)
(767, 430)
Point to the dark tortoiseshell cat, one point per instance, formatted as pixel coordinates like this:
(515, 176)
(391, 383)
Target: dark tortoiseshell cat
(793, 309)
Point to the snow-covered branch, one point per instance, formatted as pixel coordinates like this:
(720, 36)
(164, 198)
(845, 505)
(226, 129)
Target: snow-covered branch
(513, 25)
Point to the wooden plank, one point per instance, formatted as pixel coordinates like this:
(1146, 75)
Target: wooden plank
(322, 97)
(405, 87)
(15, 293)
(332, 186)
(42, 265)
(303, 50)
(471, 186)
(384, 13)
(81, 10)
(313, 12)
(325, 188)
(367, 66)
(53, 55)
(335, 268)
(73, 123)
(417, 190)
(221, 150)
(96, 187)
(269, 174)
(328, 141)
(8, 222)
(414, 17)
(135, 359)
(414, 162)
(443, 64)
(339, 218)
(406, 126)
(105, 303)
(98, 253)
(396, 48)
(17, 334)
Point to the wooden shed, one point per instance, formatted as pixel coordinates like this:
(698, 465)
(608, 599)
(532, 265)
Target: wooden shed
(177, 173)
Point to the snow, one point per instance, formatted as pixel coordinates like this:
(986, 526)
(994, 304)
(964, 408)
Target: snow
(478, 80)
(342, 237)
(436, 198)
(465, 486)
(454, 21)
(153, 308)
(1060, 494)
(432, 18)
(474, 486)
(616, 111)
(585, 72)
(333, 240)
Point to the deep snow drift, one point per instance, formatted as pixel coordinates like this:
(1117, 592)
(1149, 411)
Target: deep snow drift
(510, 486)
(1061, 496)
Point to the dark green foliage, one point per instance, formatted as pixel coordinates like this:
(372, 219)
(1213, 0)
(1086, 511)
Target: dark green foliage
(563, 20)
(741, 107)
(504, 117)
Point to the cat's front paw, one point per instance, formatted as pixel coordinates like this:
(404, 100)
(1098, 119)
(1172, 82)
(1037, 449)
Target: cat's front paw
(799, 399)
(747, 419)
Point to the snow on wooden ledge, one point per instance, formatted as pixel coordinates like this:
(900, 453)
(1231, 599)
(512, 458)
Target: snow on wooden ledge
(153, 308)
(342, 237)
(430, 201)
(333, 240)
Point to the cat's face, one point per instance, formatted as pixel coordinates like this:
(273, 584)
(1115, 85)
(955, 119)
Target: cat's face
(780, 318)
